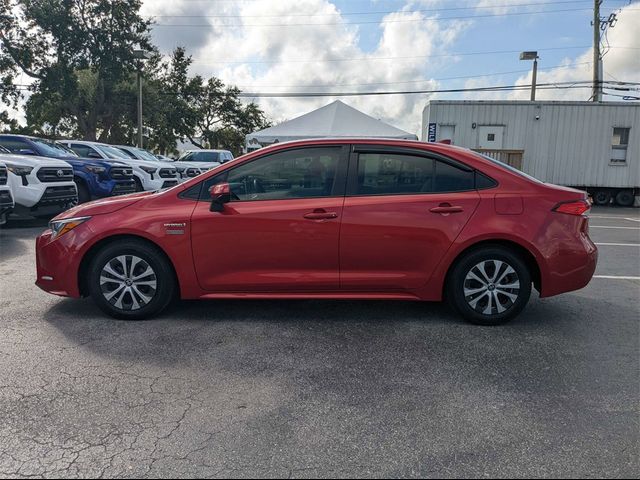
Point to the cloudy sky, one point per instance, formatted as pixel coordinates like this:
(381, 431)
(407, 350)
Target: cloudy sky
(386, 45)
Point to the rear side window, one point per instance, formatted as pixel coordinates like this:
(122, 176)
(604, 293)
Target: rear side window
(452, 179)
(401, 174)
(394, 174)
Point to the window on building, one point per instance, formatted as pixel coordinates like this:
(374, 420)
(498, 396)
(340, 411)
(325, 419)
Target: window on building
(619, 144)
(491, 137)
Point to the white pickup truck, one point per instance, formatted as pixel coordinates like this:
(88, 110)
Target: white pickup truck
(185, 170)
(40, 186)
(6, 198)
(148, 175)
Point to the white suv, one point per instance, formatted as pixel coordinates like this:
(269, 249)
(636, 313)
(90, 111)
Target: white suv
(40, 186)
(148, 175)
(185, 170)
(6, 198)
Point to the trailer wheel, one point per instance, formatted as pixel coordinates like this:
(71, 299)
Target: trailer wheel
(625, 198)
(602, 197)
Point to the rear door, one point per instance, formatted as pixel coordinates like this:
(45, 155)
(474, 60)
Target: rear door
(403, 210)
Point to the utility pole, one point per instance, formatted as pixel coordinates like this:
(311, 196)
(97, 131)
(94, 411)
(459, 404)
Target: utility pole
(140, 140)
(140, 55)
(597, 86)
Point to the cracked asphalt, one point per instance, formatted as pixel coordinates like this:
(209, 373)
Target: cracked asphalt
(321, 388)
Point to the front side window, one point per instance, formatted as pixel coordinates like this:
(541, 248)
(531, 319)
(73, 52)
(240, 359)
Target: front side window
(619, 144)
(301, 173)
(81, 150)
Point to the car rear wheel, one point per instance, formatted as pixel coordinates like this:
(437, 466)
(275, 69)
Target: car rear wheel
(489, 286)
(131, 280)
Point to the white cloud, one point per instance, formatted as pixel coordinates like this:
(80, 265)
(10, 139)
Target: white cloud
(273, 58)
(621, 63)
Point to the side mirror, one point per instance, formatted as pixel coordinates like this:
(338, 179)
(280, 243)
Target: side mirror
(220, 194)
(26, 151)
(92, 154)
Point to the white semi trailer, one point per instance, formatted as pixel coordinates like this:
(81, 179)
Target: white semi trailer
(587, 145)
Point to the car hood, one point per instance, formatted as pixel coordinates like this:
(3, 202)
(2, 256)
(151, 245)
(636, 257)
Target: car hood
(103, 206)
(32, 160)
(83, 161)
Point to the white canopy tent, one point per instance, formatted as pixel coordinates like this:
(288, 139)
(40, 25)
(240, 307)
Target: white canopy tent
(334, 120)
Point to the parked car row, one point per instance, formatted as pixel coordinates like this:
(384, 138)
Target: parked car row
(40, 177)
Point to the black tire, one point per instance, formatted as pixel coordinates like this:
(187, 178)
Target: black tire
(492, 295)
(602, 198)
(139, 187)
(625, 198)
(162, 273)
(83, 193)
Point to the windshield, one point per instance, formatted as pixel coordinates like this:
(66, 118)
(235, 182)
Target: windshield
(53, 149)
(113, 152)
(145, 155)
(508, 167)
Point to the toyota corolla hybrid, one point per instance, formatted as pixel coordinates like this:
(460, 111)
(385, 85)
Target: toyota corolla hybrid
(356, 219)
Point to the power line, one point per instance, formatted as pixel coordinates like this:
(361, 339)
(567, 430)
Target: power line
(439, 55)
(381, 22)
(587, 84)
(384, 12)
(424, 80)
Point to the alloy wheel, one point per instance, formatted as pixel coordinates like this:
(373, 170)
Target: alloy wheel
(491, 287)
(128, 282)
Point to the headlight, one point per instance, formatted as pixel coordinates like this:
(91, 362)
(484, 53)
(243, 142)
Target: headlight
(60, 227)
(94, 169)
(18, 170)
(149, 170)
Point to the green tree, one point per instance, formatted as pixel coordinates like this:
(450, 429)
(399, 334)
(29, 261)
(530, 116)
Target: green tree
(79, 52)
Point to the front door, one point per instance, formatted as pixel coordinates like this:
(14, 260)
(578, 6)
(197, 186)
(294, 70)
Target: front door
(281, 230)
(401, 214)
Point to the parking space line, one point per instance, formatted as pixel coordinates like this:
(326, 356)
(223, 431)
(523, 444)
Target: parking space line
(616, 277)
(619, 244)
(620, 228)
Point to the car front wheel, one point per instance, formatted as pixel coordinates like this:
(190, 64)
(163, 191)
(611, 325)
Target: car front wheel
(131, 280)
(489, 286)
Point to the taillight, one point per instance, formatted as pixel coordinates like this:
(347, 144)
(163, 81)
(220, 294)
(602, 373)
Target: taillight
(576, 207)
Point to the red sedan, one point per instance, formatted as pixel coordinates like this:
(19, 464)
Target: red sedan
(329, 219)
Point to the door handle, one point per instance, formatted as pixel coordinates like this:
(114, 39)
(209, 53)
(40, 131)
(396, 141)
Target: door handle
(445, 208)
(320, 214)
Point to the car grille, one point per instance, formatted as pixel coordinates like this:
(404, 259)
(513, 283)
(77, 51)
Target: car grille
(59, 194)
(55, 174)
(192, 172)
(5, 199)
(124, 188)
(3, 175)
(167, 173)
(121, 173)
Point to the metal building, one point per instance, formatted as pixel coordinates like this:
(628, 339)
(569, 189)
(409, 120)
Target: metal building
(593, 146)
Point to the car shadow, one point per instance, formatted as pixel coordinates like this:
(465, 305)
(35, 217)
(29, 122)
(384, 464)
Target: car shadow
(221, 331)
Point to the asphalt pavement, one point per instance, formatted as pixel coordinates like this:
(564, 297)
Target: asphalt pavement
(323, 388)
